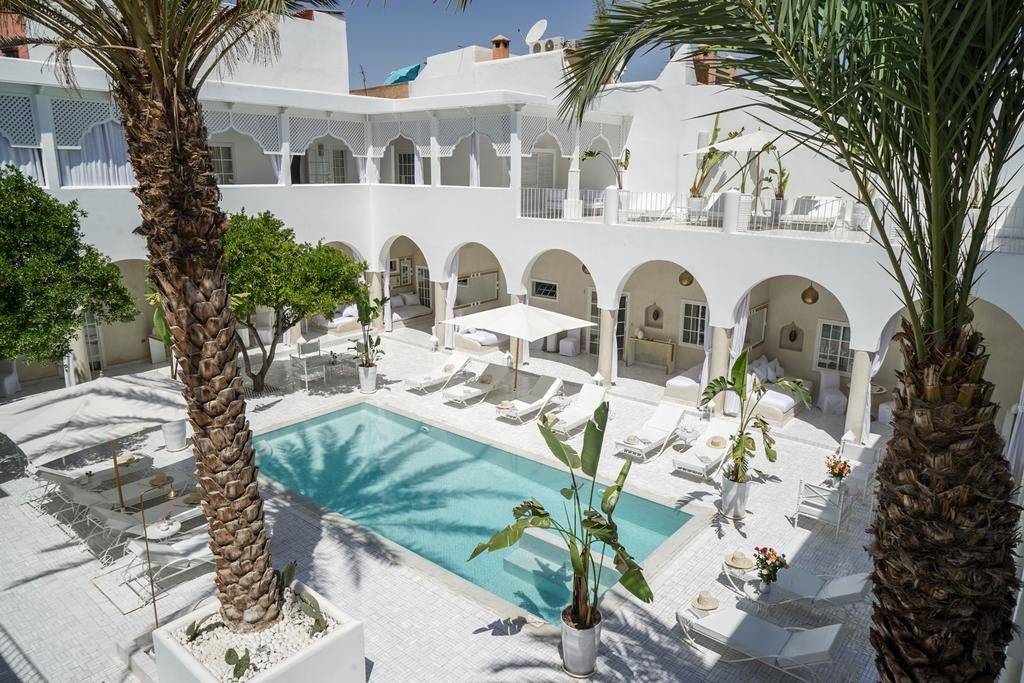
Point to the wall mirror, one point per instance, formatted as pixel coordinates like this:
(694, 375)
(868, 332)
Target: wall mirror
(476, 288)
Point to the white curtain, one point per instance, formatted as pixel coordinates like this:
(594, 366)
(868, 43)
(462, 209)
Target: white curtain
(386, 276)
(277, 161)
(739, 340)
(101, 162)
(615, 349)
(709, 339)
(449, 302)
(1015, 444)
(417, 165)
(474, 161)
(361, 169)
(28, 160)
(876, 365)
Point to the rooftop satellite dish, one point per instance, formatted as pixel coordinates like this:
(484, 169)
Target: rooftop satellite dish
(536, 31)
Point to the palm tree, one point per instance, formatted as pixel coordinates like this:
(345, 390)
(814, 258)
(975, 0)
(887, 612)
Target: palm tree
(912, 97)
(157, 56)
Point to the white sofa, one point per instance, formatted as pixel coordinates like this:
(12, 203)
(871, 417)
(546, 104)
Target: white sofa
(405, 307)
(478, 341)
(778, 405)
(344, 320)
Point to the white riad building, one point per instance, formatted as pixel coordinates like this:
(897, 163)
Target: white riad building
(472, 184)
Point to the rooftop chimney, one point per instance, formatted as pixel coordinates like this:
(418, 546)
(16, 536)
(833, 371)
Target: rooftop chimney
(499, 47)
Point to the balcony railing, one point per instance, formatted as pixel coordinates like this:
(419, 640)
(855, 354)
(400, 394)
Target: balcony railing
(554, 203)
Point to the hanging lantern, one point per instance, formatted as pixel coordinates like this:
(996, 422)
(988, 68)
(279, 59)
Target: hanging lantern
(586, 271)
(685, 278)
(809, 296)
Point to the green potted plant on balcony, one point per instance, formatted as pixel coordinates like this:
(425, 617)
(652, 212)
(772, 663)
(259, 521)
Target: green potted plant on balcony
(776, 180)
(585, 530)
(369, 347)
(742, 447)
(707, 165)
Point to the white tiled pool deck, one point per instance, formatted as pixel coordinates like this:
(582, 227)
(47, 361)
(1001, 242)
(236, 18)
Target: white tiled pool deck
(56, 624)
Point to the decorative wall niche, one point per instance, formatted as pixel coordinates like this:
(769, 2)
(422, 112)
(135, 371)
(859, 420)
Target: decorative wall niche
(654, 317)
(791, 338)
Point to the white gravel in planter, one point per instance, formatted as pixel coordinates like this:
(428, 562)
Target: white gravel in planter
(288, 636)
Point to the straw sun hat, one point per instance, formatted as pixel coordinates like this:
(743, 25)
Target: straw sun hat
(705, 602)
(737, 560)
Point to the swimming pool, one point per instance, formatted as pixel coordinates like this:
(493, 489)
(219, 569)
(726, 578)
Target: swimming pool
(438, 494)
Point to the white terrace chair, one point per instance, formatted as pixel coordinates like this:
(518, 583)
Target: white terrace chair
(822, 503)
(533, 401)
(813, 214)
(167, 560)
(863, 459)
(801, 586)
(790, 650)
(582, 408)
(80, 499)
(831, 399)
(701, 459)
(442, 375)
(656, 432)
(50, 479)
(117, 529)
(478, 387)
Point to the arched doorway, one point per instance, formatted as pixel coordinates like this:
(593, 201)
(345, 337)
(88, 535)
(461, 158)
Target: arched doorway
(474, 282)
(408, 285)
(402, 164)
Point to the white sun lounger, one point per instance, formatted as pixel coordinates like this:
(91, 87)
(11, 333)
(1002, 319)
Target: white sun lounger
(50, 479)
(656, 432)
(789, 650)
(533, 401)
(442, 375)
(478, 387)
(118, 528)
(80, 499)
(700, 459)
(582, 408)
(801, 586)
(167, 560)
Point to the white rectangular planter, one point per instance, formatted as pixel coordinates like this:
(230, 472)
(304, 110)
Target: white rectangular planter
(157, 351)
(338, 657)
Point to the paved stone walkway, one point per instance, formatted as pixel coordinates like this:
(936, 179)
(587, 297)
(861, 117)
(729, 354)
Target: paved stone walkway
(57, 625)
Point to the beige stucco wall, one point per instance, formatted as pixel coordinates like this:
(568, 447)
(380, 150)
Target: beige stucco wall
(476, 258)
(251, 165)
(127, 342)
(573, 284)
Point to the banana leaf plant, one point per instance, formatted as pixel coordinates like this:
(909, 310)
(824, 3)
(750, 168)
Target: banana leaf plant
(368, 309)
(749, 390)
(586, 528)
(161, 330)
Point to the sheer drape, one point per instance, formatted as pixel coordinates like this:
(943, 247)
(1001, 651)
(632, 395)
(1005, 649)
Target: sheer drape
(361, 170)
(277, 162)
(101, 162)
(417, 165)
(474, 161)
(28, 160)
(449, 302)
(387, 296)
(876, 365)
(705, 369)
(739, 340)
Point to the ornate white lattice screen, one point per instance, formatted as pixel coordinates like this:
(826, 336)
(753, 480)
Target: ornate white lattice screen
(497, 129)
(303, 130)
(382, 133)
(18, 121)
(72, 119)
(450, 132)
(535, 126)
(265, 129)
(611, 133)
(419, 132)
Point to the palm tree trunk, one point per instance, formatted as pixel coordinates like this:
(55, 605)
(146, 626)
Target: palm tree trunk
(945, 528)
(184, 230)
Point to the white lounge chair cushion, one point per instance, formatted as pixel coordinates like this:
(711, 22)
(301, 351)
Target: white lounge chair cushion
(742, 632)
(581, 409)
(813, 646)
(780, 400)
(800, 582)
(850, 588)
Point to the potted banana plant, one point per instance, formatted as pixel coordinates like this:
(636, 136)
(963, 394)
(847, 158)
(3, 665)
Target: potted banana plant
(742, 447)
(588, 533)
(369, 347)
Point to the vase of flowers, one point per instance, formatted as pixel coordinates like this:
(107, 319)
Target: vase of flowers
(838, 468)
(768, 562)
(165, 521)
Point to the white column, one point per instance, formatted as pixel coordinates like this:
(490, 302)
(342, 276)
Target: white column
(515, 167)
(435, 153)
(860, 384)
(731, 211)
(607, 347)
(719, 360)
(286, 149)
(44, 115)
(440, 297)
(372, 165)
(573, 204)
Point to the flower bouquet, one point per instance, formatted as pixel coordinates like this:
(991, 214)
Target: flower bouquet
(838, 468)
(768, 563)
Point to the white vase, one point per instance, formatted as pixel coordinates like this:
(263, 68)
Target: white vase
(734, 498)
(157, 351)
(579, 648)
(174, 435)
(694, 205)
(764, 587)
(338, 656)
(367, 379)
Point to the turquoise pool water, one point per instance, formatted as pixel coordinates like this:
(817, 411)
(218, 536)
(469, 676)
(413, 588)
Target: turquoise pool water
(439, 494)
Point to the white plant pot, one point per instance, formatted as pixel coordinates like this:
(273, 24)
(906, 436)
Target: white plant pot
(157, 351)
(174, 435)
(579, 649)
(734, 498)
(694, 205)
(338, 656)
(861, 216)
(367, 379)
(243, 334)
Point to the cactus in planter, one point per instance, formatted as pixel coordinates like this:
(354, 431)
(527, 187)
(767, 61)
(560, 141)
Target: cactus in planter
(312, 609)
(195, 628)
(240, 664)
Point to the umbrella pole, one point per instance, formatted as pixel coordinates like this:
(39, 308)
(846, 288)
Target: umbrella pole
(515, 367)
(117, 474)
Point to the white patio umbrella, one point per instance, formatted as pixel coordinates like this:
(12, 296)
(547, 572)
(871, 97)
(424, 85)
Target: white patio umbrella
(59, 423)
(521, 322)
(755, 142)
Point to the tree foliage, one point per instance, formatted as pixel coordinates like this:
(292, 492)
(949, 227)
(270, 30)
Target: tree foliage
(268, 268)
(49, 276)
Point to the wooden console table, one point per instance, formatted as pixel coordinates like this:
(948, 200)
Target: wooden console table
(666, 347)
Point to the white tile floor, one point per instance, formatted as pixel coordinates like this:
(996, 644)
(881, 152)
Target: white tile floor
(57, 625)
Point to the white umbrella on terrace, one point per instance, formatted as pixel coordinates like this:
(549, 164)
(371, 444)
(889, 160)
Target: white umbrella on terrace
(521, 322)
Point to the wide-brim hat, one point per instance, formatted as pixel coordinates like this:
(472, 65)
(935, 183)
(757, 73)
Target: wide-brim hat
(737, 560)
(705, 602)
(127, 458)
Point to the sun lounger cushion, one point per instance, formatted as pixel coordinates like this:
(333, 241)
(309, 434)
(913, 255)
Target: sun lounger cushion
(813, 646)
(743, 632)
(846, 588)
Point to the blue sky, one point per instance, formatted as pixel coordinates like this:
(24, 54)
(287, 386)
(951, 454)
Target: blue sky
(385, 36)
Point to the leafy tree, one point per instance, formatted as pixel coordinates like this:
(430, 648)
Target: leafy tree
(267, 268)
(913, 98)
(49, 277)
(157, 56)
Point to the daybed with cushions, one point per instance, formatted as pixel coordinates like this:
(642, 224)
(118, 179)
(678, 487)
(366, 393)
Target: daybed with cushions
(405, 307)
(471, 339)
(685, 388)
(344, 320)
(778, 404)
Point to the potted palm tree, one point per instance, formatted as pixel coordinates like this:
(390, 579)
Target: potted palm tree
(742, 447)
(588, 533)
(369, 347)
